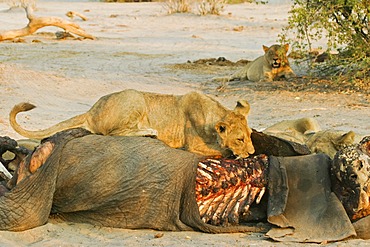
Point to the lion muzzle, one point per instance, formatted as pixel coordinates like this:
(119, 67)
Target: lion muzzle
(276, 63)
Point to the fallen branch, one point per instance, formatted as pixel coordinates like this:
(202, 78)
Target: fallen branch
(36, 23)
(72, 14)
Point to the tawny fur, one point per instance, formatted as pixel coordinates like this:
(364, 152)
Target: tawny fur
(192, 121)
(272, 65)
(308, 131)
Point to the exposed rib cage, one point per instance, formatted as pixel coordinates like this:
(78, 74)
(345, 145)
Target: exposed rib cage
(226, 188)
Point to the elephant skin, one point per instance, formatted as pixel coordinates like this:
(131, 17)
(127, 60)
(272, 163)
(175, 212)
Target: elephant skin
(123, 182)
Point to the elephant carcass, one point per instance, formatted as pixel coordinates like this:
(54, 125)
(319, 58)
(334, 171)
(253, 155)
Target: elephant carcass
(350, 174)
(124, 182)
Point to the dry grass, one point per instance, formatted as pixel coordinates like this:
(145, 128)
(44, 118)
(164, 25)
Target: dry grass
(21, 3)
(212, 7)
(201, 7)
(177, 6)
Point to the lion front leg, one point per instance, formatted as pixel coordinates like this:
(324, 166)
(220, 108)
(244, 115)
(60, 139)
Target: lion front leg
(267, 77)
(195, 144)
(288, 73)
(203, 149)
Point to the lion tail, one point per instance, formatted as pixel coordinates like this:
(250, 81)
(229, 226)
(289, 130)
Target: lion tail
(74, 122)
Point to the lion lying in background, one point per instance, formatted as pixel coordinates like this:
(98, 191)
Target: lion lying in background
(192, 121)
(272, 65)
(308, 131)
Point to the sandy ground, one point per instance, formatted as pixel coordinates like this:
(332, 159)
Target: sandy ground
(137, 46)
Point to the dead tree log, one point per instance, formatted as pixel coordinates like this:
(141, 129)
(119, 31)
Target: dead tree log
(36, 23)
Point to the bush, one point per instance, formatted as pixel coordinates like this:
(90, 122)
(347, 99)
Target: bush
(213, 7)
(177, 6)
(343, 24)
(202, 7)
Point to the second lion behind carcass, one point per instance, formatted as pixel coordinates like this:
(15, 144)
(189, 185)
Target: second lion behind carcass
(272, 65)
(193, 121)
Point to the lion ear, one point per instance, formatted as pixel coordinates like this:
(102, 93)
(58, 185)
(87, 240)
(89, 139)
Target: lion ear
(265, 48)
(286, 47)
(222, 128)
(242, 107)
(347, 138)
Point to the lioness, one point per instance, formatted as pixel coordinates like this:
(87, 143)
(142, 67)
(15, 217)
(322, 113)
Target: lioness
(272, 65)
(192, 121)
(308, 131)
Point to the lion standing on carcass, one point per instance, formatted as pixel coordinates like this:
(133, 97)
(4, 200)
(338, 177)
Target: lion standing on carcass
(192, 121)
(272, 65)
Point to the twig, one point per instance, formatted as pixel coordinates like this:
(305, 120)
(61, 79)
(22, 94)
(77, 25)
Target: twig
(72, 14)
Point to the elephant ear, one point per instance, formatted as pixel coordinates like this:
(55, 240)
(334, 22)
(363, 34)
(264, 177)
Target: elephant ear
(242, 107)
(222, 128)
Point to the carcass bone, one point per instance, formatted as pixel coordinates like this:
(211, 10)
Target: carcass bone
(260, 195)
(234, 215)
(5, 171)
(226, 188)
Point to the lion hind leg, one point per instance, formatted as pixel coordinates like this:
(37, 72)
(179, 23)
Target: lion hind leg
(241, 74)
(135, 132)
(224, 79)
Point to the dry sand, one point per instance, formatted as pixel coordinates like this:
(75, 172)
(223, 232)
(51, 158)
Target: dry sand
(137, 46)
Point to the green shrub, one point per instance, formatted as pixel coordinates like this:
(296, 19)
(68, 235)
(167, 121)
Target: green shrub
(343, 24)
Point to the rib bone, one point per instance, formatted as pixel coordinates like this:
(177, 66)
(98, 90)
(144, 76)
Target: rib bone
(226, 188)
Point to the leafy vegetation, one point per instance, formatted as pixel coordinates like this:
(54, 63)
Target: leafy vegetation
(344, 25)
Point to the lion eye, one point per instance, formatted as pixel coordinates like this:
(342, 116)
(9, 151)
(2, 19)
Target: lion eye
(240, 140)
(222, 129)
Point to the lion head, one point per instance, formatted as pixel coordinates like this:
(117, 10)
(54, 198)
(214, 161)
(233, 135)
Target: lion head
(276, 55)
(329, 141)
(234, 132)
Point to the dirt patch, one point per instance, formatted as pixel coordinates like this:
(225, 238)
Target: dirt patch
(221, 66)
(209, 65)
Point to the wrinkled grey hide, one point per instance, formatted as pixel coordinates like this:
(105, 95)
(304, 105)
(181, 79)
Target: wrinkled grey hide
(125, 182)
(301, 201)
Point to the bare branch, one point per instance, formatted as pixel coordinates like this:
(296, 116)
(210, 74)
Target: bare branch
(36, 23)
(72, 14)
